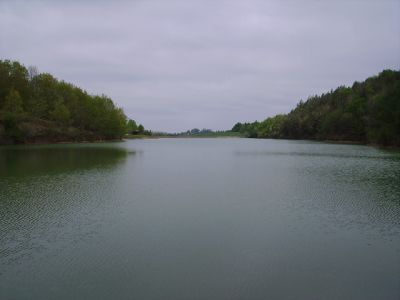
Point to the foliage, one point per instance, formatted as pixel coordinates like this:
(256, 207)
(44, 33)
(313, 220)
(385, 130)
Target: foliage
(37, 106)
(195, 132)
(247, 129)
(367, 112)
(131, 127)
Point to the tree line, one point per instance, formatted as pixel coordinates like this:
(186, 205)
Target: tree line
(367, 112)
(196, 132)
(36, 107)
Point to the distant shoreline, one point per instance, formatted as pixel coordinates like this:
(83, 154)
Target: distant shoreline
(44, 142)
(152, 137)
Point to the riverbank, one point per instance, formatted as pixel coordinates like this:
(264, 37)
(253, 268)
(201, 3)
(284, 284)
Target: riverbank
(39, 131)
(46, 142)
(141, 136)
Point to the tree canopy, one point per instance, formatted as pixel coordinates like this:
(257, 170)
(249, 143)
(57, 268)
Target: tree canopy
(367, 112)
(38, 107)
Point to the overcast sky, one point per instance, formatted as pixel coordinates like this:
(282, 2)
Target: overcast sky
(176, 65)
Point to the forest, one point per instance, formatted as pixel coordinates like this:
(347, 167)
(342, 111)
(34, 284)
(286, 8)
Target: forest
(367, 112)
(36, 107)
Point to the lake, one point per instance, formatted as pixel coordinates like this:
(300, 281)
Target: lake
(223, 218)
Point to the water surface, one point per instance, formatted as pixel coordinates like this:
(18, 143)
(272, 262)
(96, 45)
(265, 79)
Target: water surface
(199, 219)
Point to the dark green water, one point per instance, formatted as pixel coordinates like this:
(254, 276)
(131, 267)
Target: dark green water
(199, 219)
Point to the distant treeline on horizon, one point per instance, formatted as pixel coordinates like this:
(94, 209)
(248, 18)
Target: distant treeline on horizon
(367, 112)
(36, 107)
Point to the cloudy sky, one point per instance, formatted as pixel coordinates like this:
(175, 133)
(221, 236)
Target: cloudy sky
(178, 64)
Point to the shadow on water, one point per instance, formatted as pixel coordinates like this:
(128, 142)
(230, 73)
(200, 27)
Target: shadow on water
(54, 193)
(387, 156)
(23, 161)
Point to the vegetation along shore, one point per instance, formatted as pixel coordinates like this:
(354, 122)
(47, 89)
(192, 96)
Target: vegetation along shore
(37, 108)
(368, 112)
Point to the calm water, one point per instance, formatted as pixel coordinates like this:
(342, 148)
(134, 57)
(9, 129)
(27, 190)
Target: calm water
(199, 219)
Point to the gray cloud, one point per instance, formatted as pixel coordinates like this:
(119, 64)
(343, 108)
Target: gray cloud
(174, 65)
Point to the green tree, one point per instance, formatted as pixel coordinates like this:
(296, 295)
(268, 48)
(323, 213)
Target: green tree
(140, 129)
(367, 112)
(34, 105)
(13, 102)
(131, 127)
(11, 114)
(60, 112)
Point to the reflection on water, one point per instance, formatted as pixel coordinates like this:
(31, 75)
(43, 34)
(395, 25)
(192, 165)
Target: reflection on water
(390, 156)
(199, 219)
(55, 159)
(44, 188)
